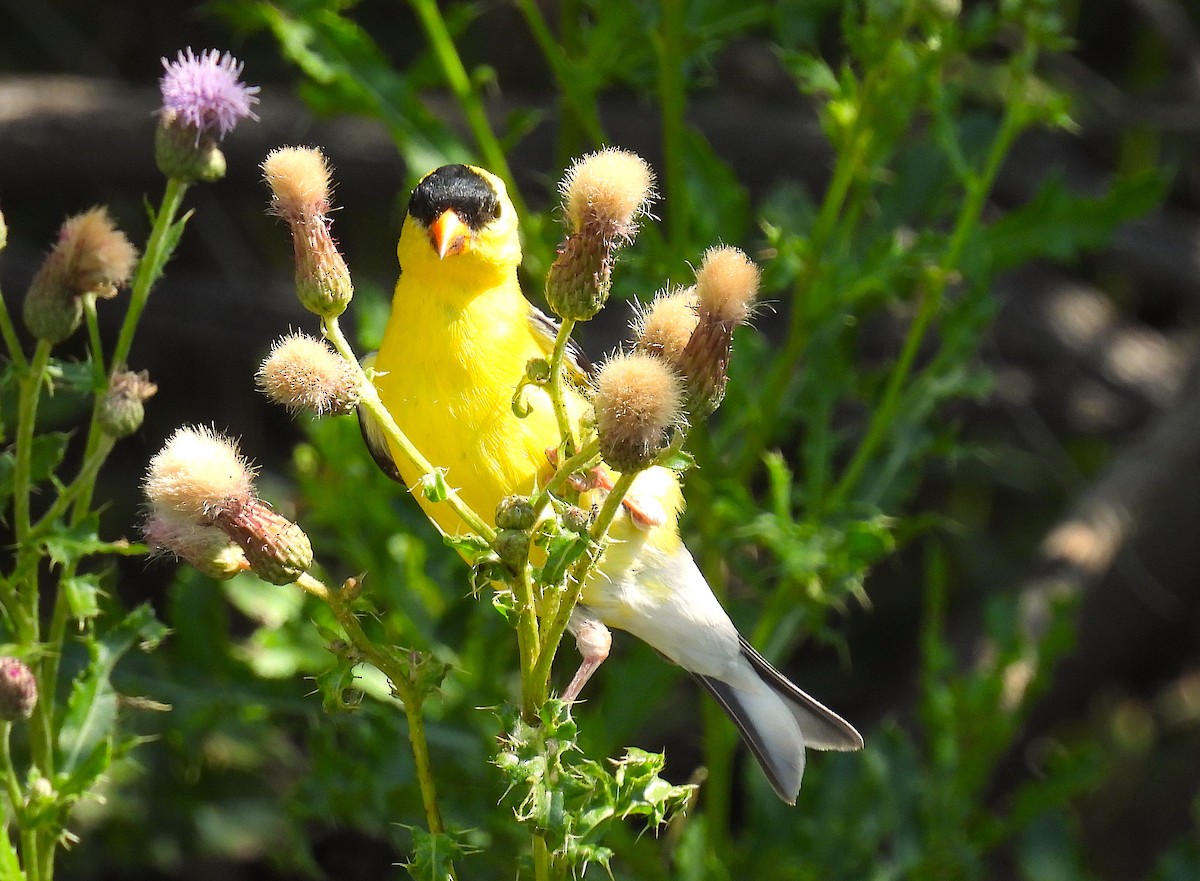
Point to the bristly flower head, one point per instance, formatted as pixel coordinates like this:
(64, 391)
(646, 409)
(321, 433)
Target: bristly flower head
(91, 256)
(206, 547)
(726, 287)
(199, 477)
(203, 100)
(303, 374)
(608, 190)
(664, 327)
(299, 181)
(603, 196)
(205, 92)
(198, 473)
(638, 401)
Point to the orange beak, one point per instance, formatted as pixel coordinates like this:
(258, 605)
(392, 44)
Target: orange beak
(448, 234)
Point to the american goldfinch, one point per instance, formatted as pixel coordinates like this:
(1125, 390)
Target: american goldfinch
(456, 346)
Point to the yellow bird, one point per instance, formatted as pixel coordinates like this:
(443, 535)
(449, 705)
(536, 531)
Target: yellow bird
(455, 348)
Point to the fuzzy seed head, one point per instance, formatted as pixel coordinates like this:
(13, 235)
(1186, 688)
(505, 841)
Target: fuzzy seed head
(198, 474)
(303, 374)
(608, 191)
(638, 401)
(726, 285)
(666, 325)
(97, 253)
(195, 542)
(299, 181)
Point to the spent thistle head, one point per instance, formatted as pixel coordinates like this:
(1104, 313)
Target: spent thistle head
(603, 196)
(299, 178)
(91, 256)
(123, 407)
(726, 286)
(303, 374)
(638, 402)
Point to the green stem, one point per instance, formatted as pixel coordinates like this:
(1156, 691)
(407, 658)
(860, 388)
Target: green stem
(588, 455)
(557, 391)
(31, 389)
(9, 770)
(673, 100)
(99, 378)
(542, 860)
(11, 341)
(552, 635)
(459, 81)
(528, 645)
(31, 859)
(369, 400)
(575, 93)
(410, 697)
(884, 415)
(158, 249)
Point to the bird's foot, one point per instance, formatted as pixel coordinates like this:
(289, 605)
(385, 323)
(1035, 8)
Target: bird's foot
(594, 642)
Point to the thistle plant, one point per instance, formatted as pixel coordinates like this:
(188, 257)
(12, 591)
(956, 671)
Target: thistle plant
(204, 509)
(58, 737)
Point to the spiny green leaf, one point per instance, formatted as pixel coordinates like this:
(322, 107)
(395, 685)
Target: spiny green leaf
(92, 706)
(433, 485)
(1058, 223)
(46, 453)
(434, 854)
(69, 544)
(82, 593)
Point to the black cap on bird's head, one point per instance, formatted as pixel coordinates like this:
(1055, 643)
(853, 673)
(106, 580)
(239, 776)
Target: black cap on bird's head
(455, 203)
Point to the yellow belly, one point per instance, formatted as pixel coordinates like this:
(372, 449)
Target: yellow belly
(447, 373)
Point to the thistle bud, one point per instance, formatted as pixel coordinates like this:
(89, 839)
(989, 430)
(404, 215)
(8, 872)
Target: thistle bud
(299, 181)
(197, 474)
(512, 547)
(182, 152)
(91, 256)
(123, 407)
(277, 549)
(515, 512)
(577, 520)
(303, 374)
(638, 402)
(726, 285)
(666, 325)
(203, 546)
(603, 195)
(18, 690)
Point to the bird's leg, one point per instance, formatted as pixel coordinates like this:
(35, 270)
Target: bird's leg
(594, 641)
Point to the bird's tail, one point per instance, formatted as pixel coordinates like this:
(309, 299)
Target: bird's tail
(777, 720)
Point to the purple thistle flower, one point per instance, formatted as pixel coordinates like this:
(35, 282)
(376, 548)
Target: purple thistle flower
(204, 91)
